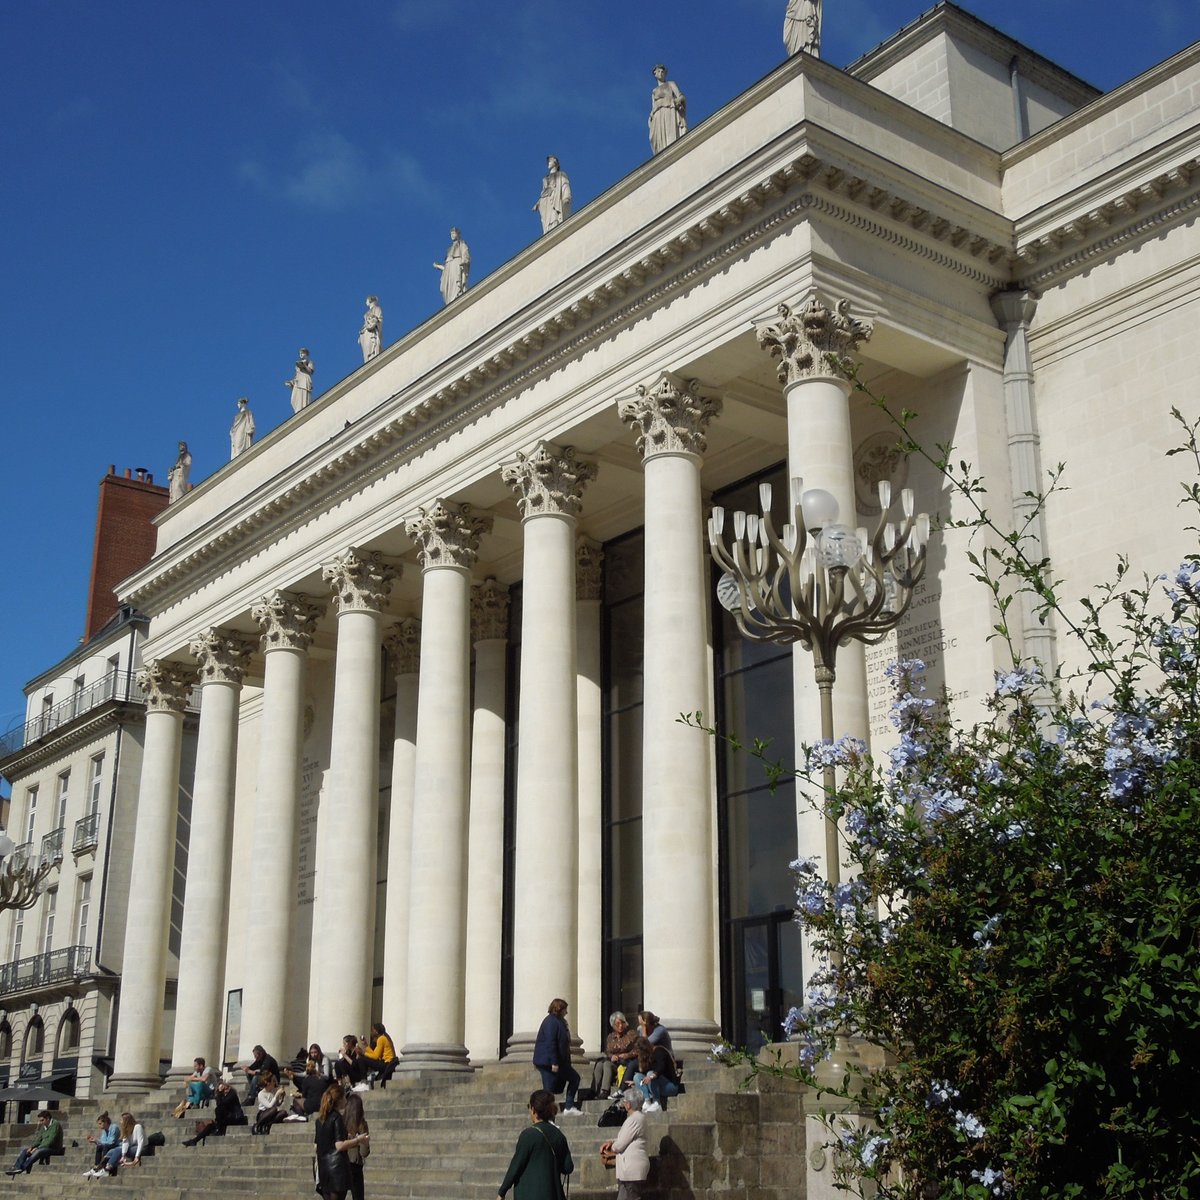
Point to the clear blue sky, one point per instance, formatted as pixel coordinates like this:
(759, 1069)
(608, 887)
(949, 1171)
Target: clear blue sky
(190, 191)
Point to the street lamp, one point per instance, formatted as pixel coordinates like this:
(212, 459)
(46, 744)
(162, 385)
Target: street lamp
(22, 879)
(819, 584)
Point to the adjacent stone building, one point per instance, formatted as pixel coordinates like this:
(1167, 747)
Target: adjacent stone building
(75, 763)
(444, 619)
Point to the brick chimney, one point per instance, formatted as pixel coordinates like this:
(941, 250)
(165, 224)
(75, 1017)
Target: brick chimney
(125, 538)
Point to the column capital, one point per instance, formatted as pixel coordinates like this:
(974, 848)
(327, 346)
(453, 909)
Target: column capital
(360, 579)
(1015, 308)
(671, 415)
(589, 563)
(489, 611)
(166, 685)
(549, 480)
(403, 644)
(287, 619)
(222, 657)
(815, 341)
(447, 534)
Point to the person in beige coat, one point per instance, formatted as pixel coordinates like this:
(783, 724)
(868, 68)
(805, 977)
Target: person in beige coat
(633, 1160)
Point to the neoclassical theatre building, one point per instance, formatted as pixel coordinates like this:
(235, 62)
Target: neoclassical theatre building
(444, 620)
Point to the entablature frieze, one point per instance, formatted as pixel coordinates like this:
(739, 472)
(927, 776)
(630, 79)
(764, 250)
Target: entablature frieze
(883, 202)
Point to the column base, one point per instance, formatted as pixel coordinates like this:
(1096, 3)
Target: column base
(691, 1035)
(434, 1056)
(134, 1083)
(519, 1047)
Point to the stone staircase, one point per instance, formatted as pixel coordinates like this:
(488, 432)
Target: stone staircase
(439, 1136)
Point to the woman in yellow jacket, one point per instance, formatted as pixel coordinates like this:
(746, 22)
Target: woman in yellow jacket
(381, 1051)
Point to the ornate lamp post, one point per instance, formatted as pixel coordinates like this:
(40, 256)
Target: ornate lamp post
(819, 584)
(22, 878)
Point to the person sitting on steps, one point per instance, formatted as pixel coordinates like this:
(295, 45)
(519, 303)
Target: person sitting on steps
(620, 1050)
(48, 1140)
(261, 1062)
(104, 1139)
(272, 1103)
(380, 1052)
(227, 1110)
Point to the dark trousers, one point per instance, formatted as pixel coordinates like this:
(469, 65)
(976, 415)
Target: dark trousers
(551, 1078)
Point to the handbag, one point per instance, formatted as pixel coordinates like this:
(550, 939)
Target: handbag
(608, 1157)
(614, 1114)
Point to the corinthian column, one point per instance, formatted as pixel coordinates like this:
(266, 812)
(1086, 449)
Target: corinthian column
(345, 915)
(403, 644)
(814, 346)
(589, 1021)
(548, 483)
(485, 839)
(166, 687)
(448, 536)
(287, 622)
(199, 1006)
(671, 416)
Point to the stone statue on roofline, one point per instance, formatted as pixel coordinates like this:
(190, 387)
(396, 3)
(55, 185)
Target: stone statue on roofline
(802, 27)
(370, 336)
(241, 432)
(554, 204)
(668, 111)
(177, 477)
(301, 382)
(455, 269)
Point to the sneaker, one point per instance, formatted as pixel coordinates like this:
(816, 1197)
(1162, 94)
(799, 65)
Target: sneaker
(572, 1112)
(652, 1106)
(295, 1117)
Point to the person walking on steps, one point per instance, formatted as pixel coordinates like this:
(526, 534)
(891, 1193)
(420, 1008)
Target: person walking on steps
(542, 1158)
(552, 1057)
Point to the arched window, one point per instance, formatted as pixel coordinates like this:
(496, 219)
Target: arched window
(68, 1034)
(35, 1041)
(5, 1040)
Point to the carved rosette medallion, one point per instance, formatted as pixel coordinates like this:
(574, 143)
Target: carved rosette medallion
(287, 620)
(549, 480)
(589, 573)
(360, 580)
(814, 342)
(489, 611)
(165, 685)
(447, 534)
(403, 644)
(671, 416)
(221, 657)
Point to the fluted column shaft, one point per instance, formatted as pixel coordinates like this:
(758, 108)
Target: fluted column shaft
(147, 923)
(404, 647)
(449, 538)
(548, 483)
(199, 1006)
(287, 622)
(346, 895)
(590, 1021)
(679, 968)
(485, 838)
(1015, 311)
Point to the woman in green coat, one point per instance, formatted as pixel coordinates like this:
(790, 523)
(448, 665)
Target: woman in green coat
(542, 1156)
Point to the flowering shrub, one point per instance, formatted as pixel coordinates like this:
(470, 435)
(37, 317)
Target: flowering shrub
(1019, 933)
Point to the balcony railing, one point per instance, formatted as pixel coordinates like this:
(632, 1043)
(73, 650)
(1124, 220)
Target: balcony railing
(22, 854)
(52, 844)
(116, 685)
(87, 834)
(56, 966)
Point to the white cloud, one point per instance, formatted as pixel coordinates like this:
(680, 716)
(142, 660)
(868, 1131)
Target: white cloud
(332, 174)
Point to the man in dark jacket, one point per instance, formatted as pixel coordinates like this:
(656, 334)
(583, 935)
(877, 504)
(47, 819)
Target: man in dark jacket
(552, 1057)
(259, 1065)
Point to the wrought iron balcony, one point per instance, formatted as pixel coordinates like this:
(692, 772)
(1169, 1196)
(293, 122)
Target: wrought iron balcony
(52, 844)
(55, 966)
(115, 686)
(87, 834)
(22, 854)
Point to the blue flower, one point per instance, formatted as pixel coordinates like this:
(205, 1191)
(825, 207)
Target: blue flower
(1017, 681)
(968, 1124)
